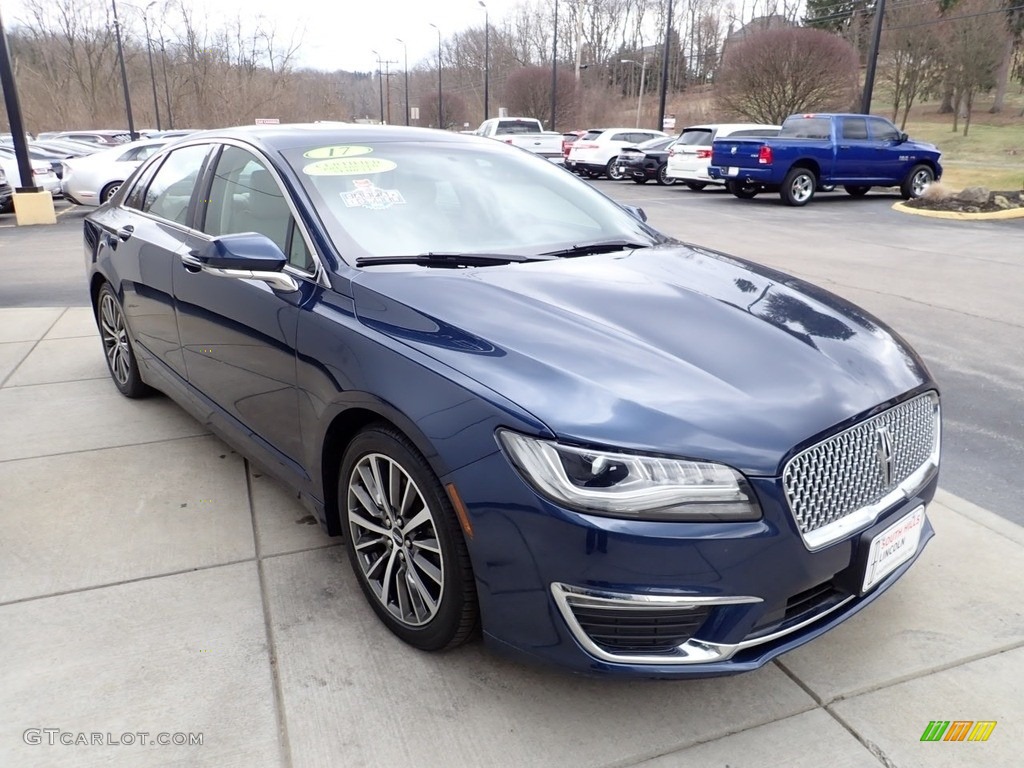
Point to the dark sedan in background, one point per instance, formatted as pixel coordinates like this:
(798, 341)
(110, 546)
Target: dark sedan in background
(527, 412)
(646, 162)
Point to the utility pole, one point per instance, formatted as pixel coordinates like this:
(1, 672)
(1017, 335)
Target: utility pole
(124, 73)
(383, 74)
(664, 70)
(554, 70)
(167, 88)
(869, 76)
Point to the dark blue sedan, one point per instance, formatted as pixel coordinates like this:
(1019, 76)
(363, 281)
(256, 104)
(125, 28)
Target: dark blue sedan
(528, 413)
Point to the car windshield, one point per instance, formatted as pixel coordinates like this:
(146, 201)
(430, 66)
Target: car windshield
(402, 199)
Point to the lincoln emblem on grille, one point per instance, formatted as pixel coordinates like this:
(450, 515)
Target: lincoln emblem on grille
(884, 444)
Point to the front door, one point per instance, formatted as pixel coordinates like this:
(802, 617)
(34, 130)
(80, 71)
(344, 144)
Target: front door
(238, 335)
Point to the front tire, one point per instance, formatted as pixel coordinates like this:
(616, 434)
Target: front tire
(799, 187)
(117, 346)
(404, 542)
(611, 170)
(916, 182)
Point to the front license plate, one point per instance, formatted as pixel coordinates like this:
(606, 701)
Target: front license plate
(893, 547)
(731, 171)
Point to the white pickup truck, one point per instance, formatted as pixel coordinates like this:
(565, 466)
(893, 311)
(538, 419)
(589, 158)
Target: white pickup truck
(524, 132)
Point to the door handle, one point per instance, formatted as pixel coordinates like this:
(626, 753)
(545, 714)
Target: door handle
(125, 232)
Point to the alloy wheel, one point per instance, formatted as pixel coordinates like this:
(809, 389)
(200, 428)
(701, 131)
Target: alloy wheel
(395, 539)
(115, 339)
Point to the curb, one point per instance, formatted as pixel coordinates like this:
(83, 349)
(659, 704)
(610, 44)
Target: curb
(1010, 213)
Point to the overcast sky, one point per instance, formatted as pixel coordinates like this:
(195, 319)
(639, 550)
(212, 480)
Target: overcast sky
(338, 34)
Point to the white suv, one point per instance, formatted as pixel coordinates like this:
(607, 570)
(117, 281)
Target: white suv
(597, 151)
(690, 156)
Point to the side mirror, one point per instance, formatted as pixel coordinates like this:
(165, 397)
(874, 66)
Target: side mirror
(246, 256)
(636, 212)
(904, 137)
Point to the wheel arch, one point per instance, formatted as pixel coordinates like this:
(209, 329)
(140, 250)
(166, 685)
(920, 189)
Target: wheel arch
(809, 163)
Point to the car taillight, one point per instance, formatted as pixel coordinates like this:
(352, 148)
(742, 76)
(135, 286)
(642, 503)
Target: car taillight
(764, 155)
(703, 154)
(587, 145)
(508, 141)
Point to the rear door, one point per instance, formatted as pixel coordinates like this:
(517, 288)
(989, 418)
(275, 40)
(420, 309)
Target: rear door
(855, 150)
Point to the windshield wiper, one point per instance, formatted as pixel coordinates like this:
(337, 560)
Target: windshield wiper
(435, 259)
(601, 246)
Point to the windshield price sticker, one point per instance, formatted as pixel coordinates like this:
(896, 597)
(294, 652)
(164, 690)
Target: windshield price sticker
(367, 195)
(356, 166)
(326, 153)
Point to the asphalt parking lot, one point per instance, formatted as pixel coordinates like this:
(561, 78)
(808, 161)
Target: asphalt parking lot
(152, 580)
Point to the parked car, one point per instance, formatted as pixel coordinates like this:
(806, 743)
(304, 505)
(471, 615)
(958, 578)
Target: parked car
(524, 132)
(34, 153)
(6, 193)
(647, 161)
(70, 148)
(608, 449)
(103, 138)
(690, 156)
(597, 152)
(811, 151)
(93, 179)
(42, 176)
(568, 139)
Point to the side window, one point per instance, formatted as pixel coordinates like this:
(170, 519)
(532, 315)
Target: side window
(883, 130)
(137, 196)
(245, 197)
(170, 191)
(626, 137)
(855, 128)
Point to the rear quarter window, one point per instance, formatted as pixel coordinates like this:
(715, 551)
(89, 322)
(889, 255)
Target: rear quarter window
(806, 128)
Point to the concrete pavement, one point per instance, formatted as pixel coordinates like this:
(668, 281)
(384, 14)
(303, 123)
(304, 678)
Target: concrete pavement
(151, 580)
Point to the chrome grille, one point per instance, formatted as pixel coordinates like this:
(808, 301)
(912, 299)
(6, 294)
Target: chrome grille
(845, 482)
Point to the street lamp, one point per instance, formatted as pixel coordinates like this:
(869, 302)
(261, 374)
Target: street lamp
(487, 57)
(149, 47)
(380, 81)
(440, 117)
(406, 49)
(643, 73)
(554, 69)
(167, 87)
(124, 74)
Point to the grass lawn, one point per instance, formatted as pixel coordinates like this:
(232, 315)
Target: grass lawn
(992, 153)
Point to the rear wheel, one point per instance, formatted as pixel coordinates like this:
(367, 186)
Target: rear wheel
(798, 187)
(117, 346)
(663, 178)
(856, 190)
(742, 190)
(404, 542)
(917, 181)
(110, 190)
(611, 170)
(696, 186)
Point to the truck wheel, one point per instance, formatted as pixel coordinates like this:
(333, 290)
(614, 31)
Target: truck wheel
(856, 190)
(917, 181)
(799, 186)
(696, 186)
(611, 170)
(741, 190)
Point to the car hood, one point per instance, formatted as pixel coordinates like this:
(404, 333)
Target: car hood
(672, 349)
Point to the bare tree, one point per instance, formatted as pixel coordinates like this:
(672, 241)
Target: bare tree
(971, 57)
(911, 60)
(770, 75)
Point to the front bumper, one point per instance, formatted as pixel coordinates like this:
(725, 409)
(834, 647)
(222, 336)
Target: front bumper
(745, 592)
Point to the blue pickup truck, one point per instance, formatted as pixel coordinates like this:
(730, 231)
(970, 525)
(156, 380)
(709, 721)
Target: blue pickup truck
(813, 151)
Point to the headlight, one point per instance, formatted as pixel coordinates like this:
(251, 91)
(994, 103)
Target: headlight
(631, 486)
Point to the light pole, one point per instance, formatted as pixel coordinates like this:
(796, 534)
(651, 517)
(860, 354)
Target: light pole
(487, 57)
(149, 48)
(639, 96)
(406, 49)
(554, 70)
(167, 88)
(440, 103)
(664, 70)
(124, 73)
(380, 81)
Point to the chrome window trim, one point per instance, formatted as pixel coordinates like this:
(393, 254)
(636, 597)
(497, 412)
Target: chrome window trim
(866, 516)
(318, 275)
